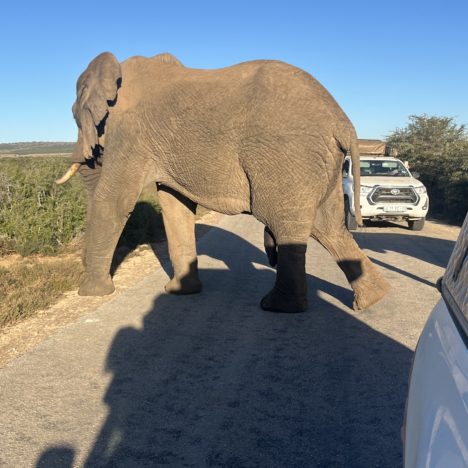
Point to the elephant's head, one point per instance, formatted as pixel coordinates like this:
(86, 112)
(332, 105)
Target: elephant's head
(96, 91)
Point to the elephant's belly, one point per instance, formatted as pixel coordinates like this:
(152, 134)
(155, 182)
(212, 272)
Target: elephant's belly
(230, 206)
(227, 198)
(209, 174)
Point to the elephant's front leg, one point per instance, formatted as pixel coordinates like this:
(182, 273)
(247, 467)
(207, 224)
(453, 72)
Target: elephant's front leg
(108, 217)
(179, 223)
(109, 206)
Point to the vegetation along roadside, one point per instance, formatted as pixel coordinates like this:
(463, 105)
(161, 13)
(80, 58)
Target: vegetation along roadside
(41, 227)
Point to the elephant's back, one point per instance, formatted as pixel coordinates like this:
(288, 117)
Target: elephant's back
(303, 100)
(254, 122)
(258, 87)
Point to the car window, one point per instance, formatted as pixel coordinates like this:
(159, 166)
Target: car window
(379, 168)
(455, 280)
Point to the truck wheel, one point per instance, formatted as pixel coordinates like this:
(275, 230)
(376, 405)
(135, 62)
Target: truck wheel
(416, 224)
(350, 220)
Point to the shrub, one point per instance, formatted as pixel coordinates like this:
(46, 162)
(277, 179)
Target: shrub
(437, 148)
(36, 215)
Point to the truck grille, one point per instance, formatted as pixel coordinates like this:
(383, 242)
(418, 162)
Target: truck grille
(393, 195)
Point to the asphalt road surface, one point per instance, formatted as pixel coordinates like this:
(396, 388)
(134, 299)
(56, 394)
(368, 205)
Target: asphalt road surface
(150, 379)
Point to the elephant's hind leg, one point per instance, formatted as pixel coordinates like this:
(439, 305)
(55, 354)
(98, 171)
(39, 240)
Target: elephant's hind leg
(271, 249)
(329, 229)
(285, 239)
(179, 223)
(287, 216)
(289, 293)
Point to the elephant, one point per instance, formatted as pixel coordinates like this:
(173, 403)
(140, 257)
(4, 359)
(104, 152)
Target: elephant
(260, 137)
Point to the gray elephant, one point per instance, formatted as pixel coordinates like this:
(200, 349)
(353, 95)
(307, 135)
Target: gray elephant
(261, 137)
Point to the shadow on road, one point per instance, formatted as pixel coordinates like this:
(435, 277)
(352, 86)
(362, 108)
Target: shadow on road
(211, 380)
(145, 226)
(56, 457)
(432, 250)
(429, 249)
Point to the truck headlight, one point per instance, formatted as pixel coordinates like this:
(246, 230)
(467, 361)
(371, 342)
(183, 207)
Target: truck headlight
(365, 190)
(420, 190)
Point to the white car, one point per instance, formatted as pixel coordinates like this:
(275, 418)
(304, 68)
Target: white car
(435, 431)
(388, 192)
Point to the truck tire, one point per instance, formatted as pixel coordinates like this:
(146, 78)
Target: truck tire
(416, 224)
(350, 220)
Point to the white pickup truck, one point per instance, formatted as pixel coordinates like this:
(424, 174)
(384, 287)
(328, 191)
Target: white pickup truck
(388, 189)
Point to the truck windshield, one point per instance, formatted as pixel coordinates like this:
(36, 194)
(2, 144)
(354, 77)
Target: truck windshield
(383, 168)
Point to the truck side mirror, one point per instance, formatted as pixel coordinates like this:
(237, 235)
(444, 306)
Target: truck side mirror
(416, 175)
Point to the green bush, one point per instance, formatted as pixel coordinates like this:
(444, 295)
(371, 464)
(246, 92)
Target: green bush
(437, 148)
(37, 215)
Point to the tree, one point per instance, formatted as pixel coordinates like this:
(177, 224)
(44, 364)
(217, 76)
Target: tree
(437, 148)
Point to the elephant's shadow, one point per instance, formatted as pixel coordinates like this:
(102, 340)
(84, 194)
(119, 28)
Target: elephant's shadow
(145, 226)
(211, 380)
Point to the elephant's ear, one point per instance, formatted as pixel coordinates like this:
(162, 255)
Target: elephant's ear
(96, 91)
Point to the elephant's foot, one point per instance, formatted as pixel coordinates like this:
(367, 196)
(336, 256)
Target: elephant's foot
(276, 301)
(369, 289)
(186, 285)
(367, 282)
(368, 293)
(101, 286)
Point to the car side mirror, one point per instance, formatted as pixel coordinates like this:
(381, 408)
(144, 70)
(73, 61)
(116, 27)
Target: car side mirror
(416, 175)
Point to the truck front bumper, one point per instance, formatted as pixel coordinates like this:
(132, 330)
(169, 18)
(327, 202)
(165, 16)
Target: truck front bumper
(406, 211)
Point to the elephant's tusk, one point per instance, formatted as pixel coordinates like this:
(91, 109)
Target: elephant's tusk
(69, 174)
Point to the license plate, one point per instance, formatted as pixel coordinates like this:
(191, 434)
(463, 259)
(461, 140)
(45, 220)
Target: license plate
(393, 209)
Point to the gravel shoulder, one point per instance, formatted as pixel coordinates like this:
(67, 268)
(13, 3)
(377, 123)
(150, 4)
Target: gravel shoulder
(17, 339)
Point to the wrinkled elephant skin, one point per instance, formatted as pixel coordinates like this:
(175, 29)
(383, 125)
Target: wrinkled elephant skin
(261, 137)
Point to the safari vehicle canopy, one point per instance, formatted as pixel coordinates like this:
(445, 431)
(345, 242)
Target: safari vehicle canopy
(375, 148)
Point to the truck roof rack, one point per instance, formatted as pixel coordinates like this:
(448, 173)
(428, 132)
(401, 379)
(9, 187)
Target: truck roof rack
(375, 148)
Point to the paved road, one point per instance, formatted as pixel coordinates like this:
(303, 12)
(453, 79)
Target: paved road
(150, 379)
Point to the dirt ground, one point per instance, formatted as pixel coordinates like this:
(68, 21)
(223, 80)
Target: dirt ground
(17, 339)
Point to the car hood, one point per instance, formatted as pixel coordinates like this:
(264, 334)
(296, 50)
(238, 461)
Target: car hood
(370, 181)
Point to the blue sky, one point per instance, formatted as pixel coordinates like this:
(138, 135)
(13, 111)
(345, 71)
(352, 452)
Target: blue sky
(381, 60)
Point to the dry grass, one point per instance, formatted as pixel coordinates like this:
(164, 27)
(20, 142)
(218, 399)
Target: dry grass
(31, 284)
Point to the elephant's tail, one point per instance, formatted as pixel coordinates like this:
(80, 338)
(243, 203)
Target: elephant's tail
(355, 158)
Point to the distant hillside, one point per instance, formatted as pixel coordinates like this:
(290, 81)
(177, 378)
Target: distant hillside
(37, 147)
